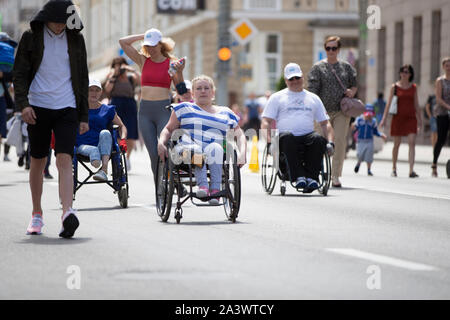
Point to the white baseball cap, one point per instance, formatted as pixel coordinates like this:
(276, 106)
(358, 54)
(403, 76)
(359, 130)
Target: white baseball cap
(95, 83)
(188, 84)
(152, 37)
(292, 70)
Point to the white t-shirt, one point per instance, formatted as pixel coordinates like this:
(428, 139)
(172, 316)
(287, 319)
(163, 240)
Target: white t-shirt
(295, 112)
(51, 88)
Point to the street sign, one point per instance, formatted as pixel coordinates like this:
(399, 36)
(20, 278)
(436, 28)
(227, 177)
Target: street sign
(243, 31)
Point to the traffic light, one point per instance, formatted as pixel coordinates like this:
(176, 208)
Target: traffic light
(224, 54)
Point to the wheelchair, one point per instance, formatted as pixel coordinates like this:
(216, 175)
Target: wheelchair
(273, 168)
(173, 177)
(119, 182)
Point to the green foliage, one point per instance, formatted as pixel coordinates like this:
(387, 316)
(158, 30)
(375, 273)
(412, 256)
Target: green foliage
(280, 84)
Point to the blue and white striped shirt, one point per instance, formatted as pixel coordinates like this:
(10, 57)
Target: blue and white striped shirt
(204, 127)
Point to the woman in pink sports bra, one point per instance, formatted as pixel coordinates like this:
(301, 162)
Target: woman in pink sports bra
(154, 60)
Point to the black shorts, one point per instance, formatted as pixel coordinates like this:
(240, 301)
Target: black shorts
(63, 122)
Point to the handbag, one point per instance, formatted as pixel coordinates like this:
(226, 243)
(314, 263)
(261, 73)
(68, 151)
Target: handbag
(350, 107)
(393, 108)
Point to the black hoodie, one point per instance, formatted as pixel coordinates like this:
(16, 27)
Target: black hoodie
(31, 50)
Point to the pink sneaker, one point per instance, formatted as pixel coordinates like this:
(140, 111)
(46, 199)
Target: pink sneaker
(202, 192)
(214, 201)
(36, 224)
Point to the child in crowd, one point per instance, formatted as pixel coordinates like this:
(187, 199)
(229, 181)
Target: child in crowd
(366, 126)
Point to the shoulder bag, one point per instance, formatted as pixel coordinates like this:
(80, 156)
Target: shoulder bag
(350, 107)
(393, 108)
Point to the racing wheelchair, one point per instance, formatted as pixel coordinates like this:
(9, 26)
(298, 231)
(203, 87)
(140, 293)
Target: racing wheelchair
(173, 177)
(274, 165)
(119, 182)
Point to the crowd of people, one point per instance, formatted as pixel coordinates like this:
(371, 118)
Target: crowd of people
(61, 108)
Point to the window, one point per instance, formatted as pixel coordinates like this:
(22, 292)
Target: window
(417, 48)
(398, 48)
(435, 44)
(265, 5)
(273, 59)
(381, 58)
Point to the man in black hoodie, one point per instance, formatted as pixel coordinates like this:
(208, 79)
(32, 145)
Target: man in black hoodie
(51, 81)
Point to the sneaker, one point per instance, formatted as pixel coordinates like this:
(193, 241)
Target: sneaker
(100, 176)
(20, 162)
(300, 183)
(70, 223)
(394, 173)
(47, 175)
(356, 168)
(36, 224)
(413, 175)
(202, 192)
(312, 184)
(369, 173)
(214, 201)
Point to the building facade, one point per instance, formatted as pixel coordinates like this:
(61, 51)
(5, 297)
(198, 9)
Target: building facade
(418, 36)
(287, 31)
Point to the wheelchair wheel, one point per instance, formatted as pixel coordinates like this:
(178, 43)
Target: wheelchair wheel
(448, 169)
(164, 189)
(268, 171)
(232, 182)
(120, 178)
(325, 175)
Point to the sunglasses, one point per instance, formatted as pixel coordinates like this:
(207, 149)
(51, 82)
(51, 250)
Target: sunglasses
(405, 71)
(294, 78)
(331, 48)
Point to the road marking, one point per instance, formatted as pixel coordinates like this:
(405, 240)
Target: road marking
(383, 259)
(406, 193)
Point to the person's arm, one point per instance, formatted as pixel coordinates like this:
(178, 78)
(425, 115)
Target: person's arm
(314, 80)
(417, 108)
(241, 142)
(178, 76)
(327, 131)
(165, 135)
(21, 73)
(266, 125)
(439, 99)
(122, 129)
(83, 112)
(388, 105)
(428, 110)
(126, 44)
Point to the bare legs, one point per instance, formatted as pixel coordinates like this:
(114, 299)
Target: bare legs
(411, 154)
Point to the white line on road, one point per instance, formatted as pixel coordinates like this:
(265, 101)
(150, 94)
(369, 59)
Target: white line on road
(406, 193)
(383, 259)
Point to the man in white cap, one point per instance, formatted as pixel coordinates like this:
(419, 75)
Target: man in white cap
(295, 110)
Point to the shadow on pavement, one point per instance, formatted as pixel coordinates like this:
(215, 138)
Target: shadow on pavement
(45, 241)
(202, 223)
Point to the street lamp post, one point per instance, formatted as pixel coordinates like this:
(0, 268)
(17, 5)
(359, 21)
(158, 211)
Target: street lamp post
(223, 66)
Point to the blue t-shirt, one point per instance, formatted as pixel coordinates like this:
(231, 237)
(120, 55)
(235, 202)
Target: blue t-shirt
(253, 109)
(99, 119)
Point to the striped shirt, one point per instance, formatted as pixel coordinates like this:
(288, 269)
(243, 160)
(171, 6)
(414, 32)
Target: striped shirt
(202, 127)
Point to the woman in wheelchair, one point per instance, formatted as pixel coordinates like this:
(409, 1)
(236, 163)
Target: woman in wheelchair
(97, 142)
(203, 129)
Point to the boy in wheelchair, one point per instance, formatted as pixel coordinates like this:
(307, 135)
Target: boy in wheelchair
(97, 142)
(295, 110)
(203, 129)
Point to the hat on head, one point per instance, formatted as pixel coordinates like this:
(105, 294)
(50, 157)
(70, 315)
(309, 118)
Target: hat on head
(95, 83)
(152, 37)
(292, 70)
(188, 84)
(369, 110)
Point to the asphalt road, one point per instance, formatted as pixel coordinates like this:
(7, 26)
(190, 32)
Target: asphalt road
(376, 238)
